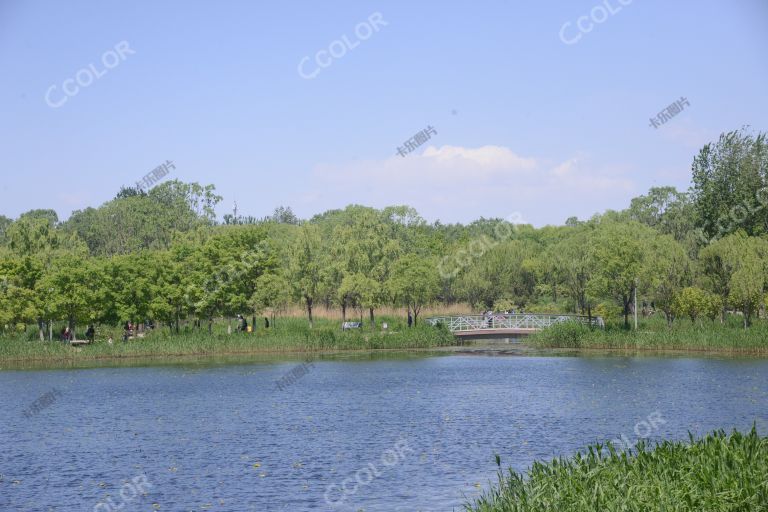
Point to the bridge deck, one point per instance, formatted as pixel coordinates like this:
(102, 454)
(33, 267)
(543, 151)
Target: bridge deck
(490, 332)
(507, 323)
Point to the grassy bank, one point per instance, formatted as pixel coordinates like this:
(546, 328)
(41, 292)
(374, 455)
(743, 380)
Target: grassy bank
(287, 335)
(655, 334)
(717, 473)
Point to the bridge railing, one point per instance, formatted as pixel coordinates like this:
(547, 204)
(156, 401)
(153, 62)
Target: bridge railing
(510, 321)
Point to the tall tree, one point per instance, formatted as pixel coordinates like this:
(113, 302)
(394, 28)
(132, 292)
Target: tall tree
(729, 180)
(308, 258)
(618, 252)
(665, 272)
(414, 282)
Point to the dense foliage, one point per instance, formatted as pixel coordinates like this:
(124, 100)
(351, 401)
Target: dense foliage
(162, 255)
(717, 473)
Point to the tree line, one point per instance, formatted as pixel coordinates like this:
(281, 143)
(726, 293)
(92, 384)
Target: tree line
(163, 255)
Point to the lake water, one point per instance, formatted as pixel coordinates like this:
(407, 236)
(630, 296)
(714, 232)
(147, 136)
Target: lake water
(412, 433)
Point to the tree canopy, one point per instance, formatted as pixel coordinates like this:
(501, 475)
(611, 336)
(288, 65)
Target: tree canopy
(163, 255)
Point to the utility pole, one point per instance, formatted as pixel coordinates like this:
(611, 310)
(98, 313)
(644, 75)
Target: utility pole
(635, 303)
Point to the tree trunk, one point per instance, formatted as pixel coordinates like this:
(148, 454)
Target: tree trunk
(373, 323)
(309, 311)
(41, 328)
(626, 312)
(343, 311)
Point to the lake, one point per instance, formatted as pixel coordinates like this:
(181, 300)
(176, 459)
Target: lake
(375, 433)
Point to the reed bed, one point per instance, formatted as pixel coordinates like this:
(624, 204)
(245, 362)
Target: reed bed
(720, 472)
(655, 334)
(285, 335)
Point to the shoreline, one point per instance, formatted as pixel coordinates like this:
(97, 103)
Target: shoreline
(758, 353)
(500, 349)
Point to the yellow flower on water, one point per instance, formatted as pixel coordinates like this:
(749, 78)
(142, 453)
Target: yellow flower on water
(256, 464)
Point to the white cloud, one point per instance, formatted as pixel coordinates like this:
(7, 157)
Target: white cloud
(455, 183)
(487, 157)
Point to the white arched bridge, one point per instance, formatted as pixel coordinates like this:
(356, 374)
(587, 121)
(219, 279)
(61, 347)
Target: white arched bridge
(505, 324)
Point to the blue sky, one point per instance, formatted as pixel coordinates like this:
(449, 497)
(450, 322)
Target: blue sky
(525, 123)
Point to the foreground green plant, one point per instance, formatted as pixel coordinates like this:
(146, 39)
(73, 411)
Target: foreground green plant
(716, 473)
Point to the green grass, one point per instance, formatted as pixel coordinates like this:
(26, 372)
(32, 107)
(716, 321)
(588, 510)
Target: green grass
(287, 335)
(717, 473)
(654, 334)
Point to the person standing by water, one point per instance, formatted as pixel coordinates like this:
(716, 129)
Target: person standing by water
(410, 319)
(242, 323)
(90, 333)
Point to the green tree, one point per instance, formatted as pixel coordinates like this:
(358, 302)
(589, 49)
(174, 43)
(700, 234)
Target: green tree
(414, 282)
(729, 180)
(619, 253)
(690, 302)
(733, 261)
(747, 288)
(665, 272)
(272, 294)
(306, 267)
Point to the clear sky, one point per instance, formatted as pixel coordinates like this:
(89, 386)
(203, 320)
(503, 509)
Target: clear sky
(531, 115)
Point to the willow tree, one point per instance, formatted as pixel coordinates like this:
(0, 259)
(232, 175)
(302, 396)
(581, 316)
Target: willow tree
(306, 264)
(414, 283)
(665, 272)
